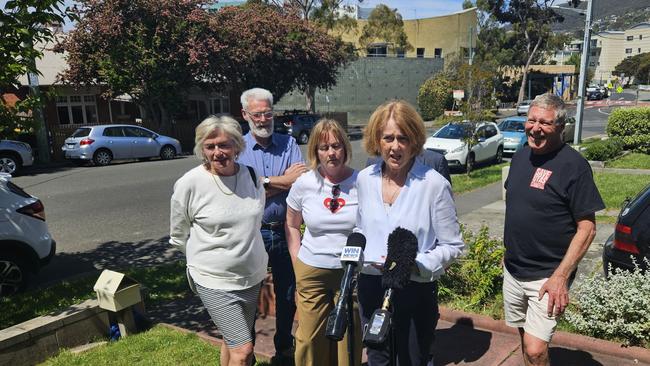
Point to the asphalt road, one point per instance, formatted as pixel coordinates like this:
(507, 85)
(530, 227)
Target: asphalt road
(118, 216)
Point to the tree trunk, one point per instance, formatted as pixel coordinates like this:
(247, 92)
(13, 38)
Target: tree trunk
(310, 97)
(522, 88)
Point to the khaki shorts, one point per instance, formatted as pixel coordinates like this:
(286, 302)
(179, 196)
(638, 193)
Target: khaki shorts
(523, 309)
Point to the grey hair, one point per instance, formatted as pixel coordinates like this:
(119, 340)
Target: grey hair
(214, 123)
(551, 102)
(255, 94)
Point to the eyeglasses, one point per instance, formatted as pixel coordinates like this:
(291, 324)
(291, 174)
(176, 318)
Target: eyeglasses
(258, 115)
(334, 202)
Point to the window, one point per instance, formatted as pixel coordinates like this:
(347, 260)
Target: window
(137, 132)
(639, 49)
(630, 38)
(113, 132)
(437, 53)
(220, 105)
(420, 52)
(400, 52)
(377, 51)
(640, 37)
(592, 63)
(76, 109)
(628, 50)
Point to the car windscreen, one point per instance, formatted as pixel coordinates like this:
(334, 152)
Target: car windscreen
(81, 132)
(453, 131)
(514, 126)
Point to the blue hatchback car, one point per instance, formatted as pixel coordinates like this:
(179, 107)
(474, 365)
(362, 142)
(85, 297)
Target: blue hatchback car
(514, 135)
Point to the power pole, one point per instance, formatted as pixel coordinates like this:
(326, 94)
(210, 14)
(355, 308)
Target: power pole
(577, 136)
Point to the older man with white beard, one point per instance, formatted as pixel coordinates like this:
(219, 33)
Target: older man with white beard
(278, 161)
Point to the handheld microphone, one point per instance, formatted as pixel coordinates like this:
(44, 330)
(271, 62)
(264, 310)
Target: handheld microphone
(351, 256)
(400, 259)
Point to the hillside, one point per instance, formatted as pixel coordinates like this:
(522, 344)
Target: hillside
(608, 15)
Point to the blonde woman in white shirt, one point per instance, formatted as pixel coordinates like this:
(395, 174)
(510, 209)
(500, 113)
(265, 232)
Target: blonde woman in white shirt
(216, 211)
(325, 199)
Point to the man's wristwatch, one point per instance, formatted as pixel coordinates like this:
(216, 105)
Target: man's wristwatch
(267, 181)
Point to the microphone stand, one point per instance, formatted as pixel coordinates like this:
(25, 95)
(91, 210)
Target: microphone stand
(351, 323)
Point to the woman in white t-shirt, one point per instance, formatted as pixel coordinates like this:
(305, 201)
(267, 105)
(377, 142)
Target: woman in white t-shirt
(325, 199)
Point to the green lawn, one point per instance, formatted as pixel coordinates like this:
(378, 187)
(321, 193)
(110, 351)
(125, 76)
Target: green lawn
(158, 346)
(615, 188)
(164, 283)
(478, 178)
(630, 161)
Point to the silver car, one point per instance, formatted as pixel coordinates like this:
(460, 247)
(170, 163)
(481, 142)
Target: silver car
(14, 155)
(105, 143)
(522, 108)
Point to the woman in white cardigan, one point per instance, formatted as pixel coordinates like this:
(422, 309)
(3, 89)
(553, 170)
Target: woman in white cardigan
(216, 211)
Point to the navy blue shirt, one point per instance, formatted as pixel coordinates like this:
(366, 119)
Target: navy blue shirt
(282, 152)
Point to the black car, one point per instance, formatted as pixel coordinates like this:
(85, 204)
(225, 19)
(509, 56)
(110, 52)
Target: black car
(594, 95)
(297, 124)
(631, 239)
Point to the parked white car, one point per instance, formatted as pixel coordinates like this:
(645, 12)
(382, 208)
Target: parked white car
(448, 141)
(14, 155)
(25, 241)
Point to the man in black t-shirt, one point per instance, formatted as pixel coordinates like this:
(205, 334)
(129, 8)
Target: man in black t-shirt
(551, 202)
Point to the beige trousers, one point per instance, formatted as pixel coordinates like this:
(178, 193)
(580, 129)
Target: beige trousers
(317, 292)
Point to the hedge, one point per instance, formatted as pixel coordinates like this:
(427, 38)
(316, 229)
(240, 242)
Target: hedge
(632, 125)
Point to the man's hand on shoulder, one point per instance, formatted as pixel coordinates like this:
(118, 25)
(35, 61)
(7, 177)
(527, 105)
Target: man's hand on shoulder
(558, 294)
(293, 172)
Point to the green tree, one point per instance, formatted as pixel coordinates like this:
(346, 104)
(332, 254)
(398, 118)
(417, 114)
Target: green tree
(637, 66)
(23, 24)
(575, 60)
(385, 25)
(435, 96)
(530, 36)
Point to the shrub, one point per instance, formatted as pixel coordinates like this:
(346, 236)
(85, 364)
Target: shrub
(604, 149)
(478, 275)
(435, 96)
(616, 308)
(632, 125)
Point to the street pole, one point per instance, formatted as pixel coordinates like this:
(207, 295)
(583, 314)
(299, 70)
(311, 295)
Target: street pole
(577, 136)
(42, 141)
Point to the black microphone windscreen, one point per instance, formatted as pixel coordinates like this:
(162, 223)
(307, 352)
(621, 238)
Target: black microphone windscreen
(400, 258)
(356, 240)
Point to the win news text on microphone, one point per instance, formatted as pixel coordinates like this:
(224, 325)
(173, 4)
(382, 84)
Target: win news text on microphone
(351, 257)
(400, 259)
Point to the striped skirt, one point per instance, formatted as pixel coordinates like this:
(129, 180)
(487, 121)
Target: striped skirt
(233, 312)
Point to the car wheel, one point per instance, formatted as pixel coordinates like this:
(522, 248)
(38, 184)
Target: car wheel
(102, 157)
(9, 164)
(469, 163)
(499, 156)
(303, 138)
(13, 274)
(167, 152)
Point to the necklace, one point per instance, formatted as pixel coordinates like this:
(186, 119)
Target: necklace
(219, 186)
(392, 198)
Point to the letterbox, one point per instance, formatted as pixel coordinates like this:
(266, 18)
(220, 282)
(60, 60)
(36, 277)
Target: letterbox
(116, 291)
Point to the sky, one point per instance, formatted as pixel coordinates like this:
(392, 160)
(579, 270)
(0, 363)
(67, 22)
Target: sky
(411, 9)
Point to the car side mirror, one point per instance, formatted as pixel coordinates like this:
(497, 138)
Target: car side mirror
(155, 136)
(481, 139)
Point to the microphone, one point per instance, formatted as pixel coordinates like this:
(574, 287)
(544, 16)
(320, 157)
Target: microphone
(351, 256)
(400, 259)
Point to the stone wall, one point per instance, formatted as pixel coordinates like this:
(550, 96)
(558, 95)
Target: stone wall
(368, 82)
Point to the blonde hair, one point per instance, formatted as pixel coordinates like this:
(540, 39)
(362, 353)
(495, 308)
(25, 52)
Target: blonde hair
(319, 132)
(407, 119)
(212, 124)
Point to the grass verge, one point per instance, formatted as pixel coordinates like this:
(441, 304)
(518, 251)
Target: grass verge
(164, 283)
(158, 346)
(615, 188)
(478, 178)
(630, 161)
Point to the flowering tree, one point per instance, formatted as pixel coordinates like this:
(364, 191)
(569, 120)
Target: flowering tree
(156, 51)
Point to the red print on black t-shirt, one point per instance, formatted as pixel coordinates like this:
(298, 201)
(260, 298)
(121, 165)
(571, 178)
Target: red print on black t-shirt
(540, 178)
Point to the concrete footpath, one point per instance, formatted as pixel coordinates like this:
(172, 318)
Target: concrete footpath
(461, 338)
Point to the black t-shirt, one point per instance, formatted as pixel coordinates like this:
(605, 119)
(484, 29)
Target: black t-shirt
(546, 195)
